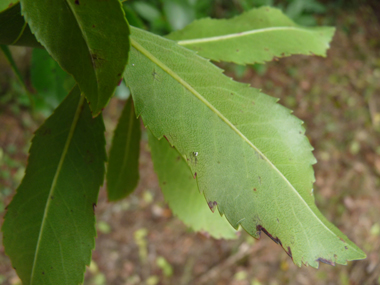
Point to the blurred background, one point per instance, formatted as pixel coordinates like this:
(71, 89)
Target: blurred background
(139, 240)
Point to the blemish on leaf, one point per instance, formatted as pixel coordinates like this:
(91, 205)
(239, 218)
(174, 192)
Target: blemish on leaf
(266, 49)
(254, 189)
(93, 26)
(121, 79)
(278, 220)
(164, 183)
(166, 138)
(195, 175)
(46, 132)
(93, 207)
(342, 240)
(260, 229)
(211, 205)
(260, 179)
(346, 247)
(237, 50)
(329, 262)
(155, 75)
(52, 197)
(77, 2)
(43, 273)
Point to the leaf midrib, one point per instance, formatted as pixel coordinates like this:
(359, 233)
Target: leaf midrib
(151, 57)
(54, 182)
(238, 35)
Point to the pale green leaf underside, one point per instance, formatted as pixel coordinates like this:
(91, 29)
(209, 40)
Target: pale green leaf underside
(49, 228)
(253, 37)
(123, 165)
(253, 161)
(181, 192)
(89, 39)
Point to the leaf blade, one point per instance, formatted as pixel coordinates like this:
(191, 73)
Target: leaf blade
(199, 110)
(123, 165)
(256, 36)
(49, 226)
(181, 192)
(77, 34)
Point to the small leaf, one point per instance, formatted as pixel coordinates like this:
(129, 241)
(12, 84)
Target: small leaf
(49, 228)
(181, 192)
(48, 78)
(254, 162)
(253, 37)
(123, 165)
(89, 39)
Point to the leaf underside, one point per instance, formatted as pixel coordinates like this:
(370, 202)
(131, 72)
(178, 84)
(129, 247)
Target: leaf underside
(123, 165)
(181, 192)
(49, 227)
(89, 39)
(254, 162)
(255, 36)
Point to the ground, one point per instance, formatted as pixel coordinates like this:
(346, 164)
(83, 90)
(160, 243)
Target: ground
(139, 240)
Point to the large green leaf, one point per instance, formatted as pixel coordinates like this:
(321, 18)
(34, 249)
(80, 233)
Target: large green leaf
(123, 165)
(49, 229)
(250, 156)
(181, 192)
(255, 36)
(89, 39)
(14, 30)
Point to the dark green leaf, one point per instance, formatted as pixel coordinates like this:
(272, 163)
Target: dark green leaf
(89, 39)
(123, 166)
(49, 80)
(14, 30)
(49, 229)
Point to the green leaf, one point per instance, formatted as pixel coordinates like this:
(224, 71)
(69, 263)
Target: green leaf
(6, 4)
(181, 192)
(253, 37)
(14, 30)
(89, 39)
(123, 166)
(49, 229)
(48, 78)
(254, 162)
(9, 57)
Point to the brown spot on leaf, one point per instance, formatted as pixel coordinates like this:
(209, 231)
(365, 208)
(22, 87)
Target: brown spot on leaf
(329, 262)
(93, 207)
(254, 189)
(195, 175)
(211, 205)
(77, 2)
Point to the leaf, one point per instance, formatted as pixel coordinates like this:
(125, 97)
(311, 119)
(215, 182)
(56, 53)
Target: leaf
(48, 78)
(14, 30)
(181, 192)
(253, 162)
(253, 37)
(89, 39)
(123, 166)
(9, 57)
(49, 229)
(5, 4)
